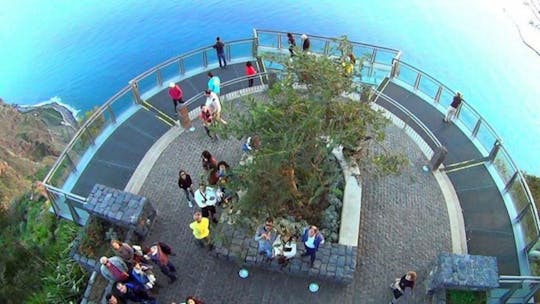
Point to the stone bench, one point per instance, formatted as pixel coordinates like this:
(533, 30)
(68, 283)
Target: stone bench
(335, 262)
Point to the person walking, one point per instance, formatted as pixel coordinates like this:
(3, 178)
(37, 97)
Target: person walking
(206, 199)
(250, 72)
(292, 43)
(214, 83)
(113, 269)
(306, 43)
(452, 109)
(266, 236)
(185, 183)
(201, 231)
(176, 94)
(403, 286)
(159, 254)
(206, 118)
(312, 239)
(220, 50)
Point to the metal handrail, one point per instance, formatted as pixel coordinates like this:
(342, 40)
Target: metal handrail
(410, 115)
(185, 55)
(333, 39)
(81, 130)
(491, 130)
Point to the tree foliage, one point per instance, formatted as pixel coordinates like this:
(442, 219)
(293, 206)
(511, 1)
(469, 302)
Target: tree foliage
(305, 117)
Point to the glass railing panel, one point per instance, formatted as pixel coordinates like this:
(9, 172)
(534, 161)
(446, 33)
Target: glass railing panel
(504, 166)
(147, 83)
(384, 57)
(486, 137)
(428, 86)
(518, 195)
(272, 65)
(316, 46)
(211, 55)
(407, 75)
(122, 104)
(193, 62)
(170, 72)
(363, 52)
(446, 98)
(468, 118)
(58, 178)
(528, 224)
(241, 50)
(271, 40)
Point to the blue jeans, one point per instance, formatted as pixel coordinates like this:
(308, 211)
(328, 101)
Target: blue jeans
(266, 247)
(221, 56)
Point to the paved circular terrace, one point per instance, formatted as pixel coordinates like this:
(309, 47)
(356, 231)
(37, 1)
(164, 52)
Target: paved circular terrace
(404, 225)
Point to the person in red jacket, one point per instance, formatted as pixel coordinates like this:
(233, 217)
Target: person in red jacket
(176, 94)
(251, 72)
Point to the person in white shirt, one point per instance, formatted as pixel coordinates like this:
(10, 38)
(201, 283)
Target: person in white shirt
(206, 199)
(212, 102)
(284, 248)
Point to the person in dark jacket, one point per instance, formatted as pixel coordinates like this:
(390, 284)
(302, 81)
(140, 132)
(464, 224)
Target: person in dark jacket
(185, 183)
(132, 291)
(452, 109)
(312, 239)
(292, 43)
(112, 299)
(306, 44)
(403, 286)
(209, 162)
(220, 50)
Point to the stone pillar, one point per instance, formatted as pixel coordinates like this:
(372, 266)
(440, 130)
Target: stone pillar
(438, 157)
(185, 122)
(463, 271)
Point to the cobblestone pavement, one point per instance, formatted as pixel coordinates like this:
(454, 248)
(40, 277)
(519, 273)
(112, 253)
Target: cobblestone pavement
(404, 224)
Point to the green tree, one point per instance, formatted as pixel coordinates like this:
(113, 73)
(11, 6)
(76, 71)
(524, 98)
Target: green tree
(305, 117)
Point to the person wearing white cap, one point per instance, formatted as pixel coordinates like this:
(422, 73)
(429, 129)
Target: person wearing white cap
(306, 44)
(452, 109)
(176, 94)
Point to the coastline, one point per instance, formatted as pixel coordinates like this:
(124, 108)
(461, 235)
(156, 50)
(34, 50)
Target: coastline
(69, 115)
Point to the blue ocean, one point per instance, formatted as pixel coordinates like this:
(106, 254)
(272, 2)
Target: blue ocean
(82, 52)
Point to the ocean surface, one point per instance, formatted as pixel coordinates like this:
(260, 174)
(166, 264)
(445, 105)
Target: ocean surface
(82, 52)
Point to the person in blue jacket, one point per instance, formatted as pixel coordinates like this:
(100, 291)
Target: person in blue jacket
(214, 83)
(312, 239)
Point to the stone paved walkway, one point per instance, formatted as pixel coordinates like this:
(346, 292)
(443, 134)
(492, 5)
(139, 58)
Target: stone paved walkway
(404, 224)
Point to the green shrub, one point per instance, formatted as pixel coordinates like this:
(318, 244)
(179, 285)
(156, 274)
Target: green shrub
(465, 297)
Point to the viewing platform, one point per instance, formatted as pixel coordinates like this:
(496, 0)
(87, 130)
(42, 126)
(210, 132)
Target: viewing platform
(476, 201)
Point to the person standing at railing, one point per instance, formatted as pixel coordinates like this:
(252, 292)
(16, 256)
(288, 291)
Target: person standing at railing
(250, 72)
(214, 83)
(176, 94)
(292, 43)
(306, 43)
(452, 109)
(220, 49)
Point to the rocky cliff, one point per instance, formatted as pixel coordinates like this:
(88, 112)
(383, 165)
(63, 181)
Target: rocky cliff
(29, 144)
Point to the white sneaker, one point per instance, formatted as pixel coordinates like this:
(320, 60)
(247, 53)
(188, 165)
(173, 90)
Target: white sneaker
(190, 205)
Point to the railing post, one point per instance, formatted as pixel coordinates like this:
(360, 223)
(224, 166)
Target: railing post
(395, 68)
(507, 295)
(510, 182)
(476, 127)
(228, 51)
(255, 47)
(522, 213)
(494, 150)
(279, 41)
(135, 91)
(326, 48)
(417, 81)
(159, 78)
(111, 112)
(205, 59)
(438, 94)
(73, 166)
(181, 67)
(373, 56)
(72, 211)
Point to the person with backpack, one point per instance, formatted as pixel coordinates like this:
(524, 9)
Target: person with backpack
(159, 254)
(403, 286)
